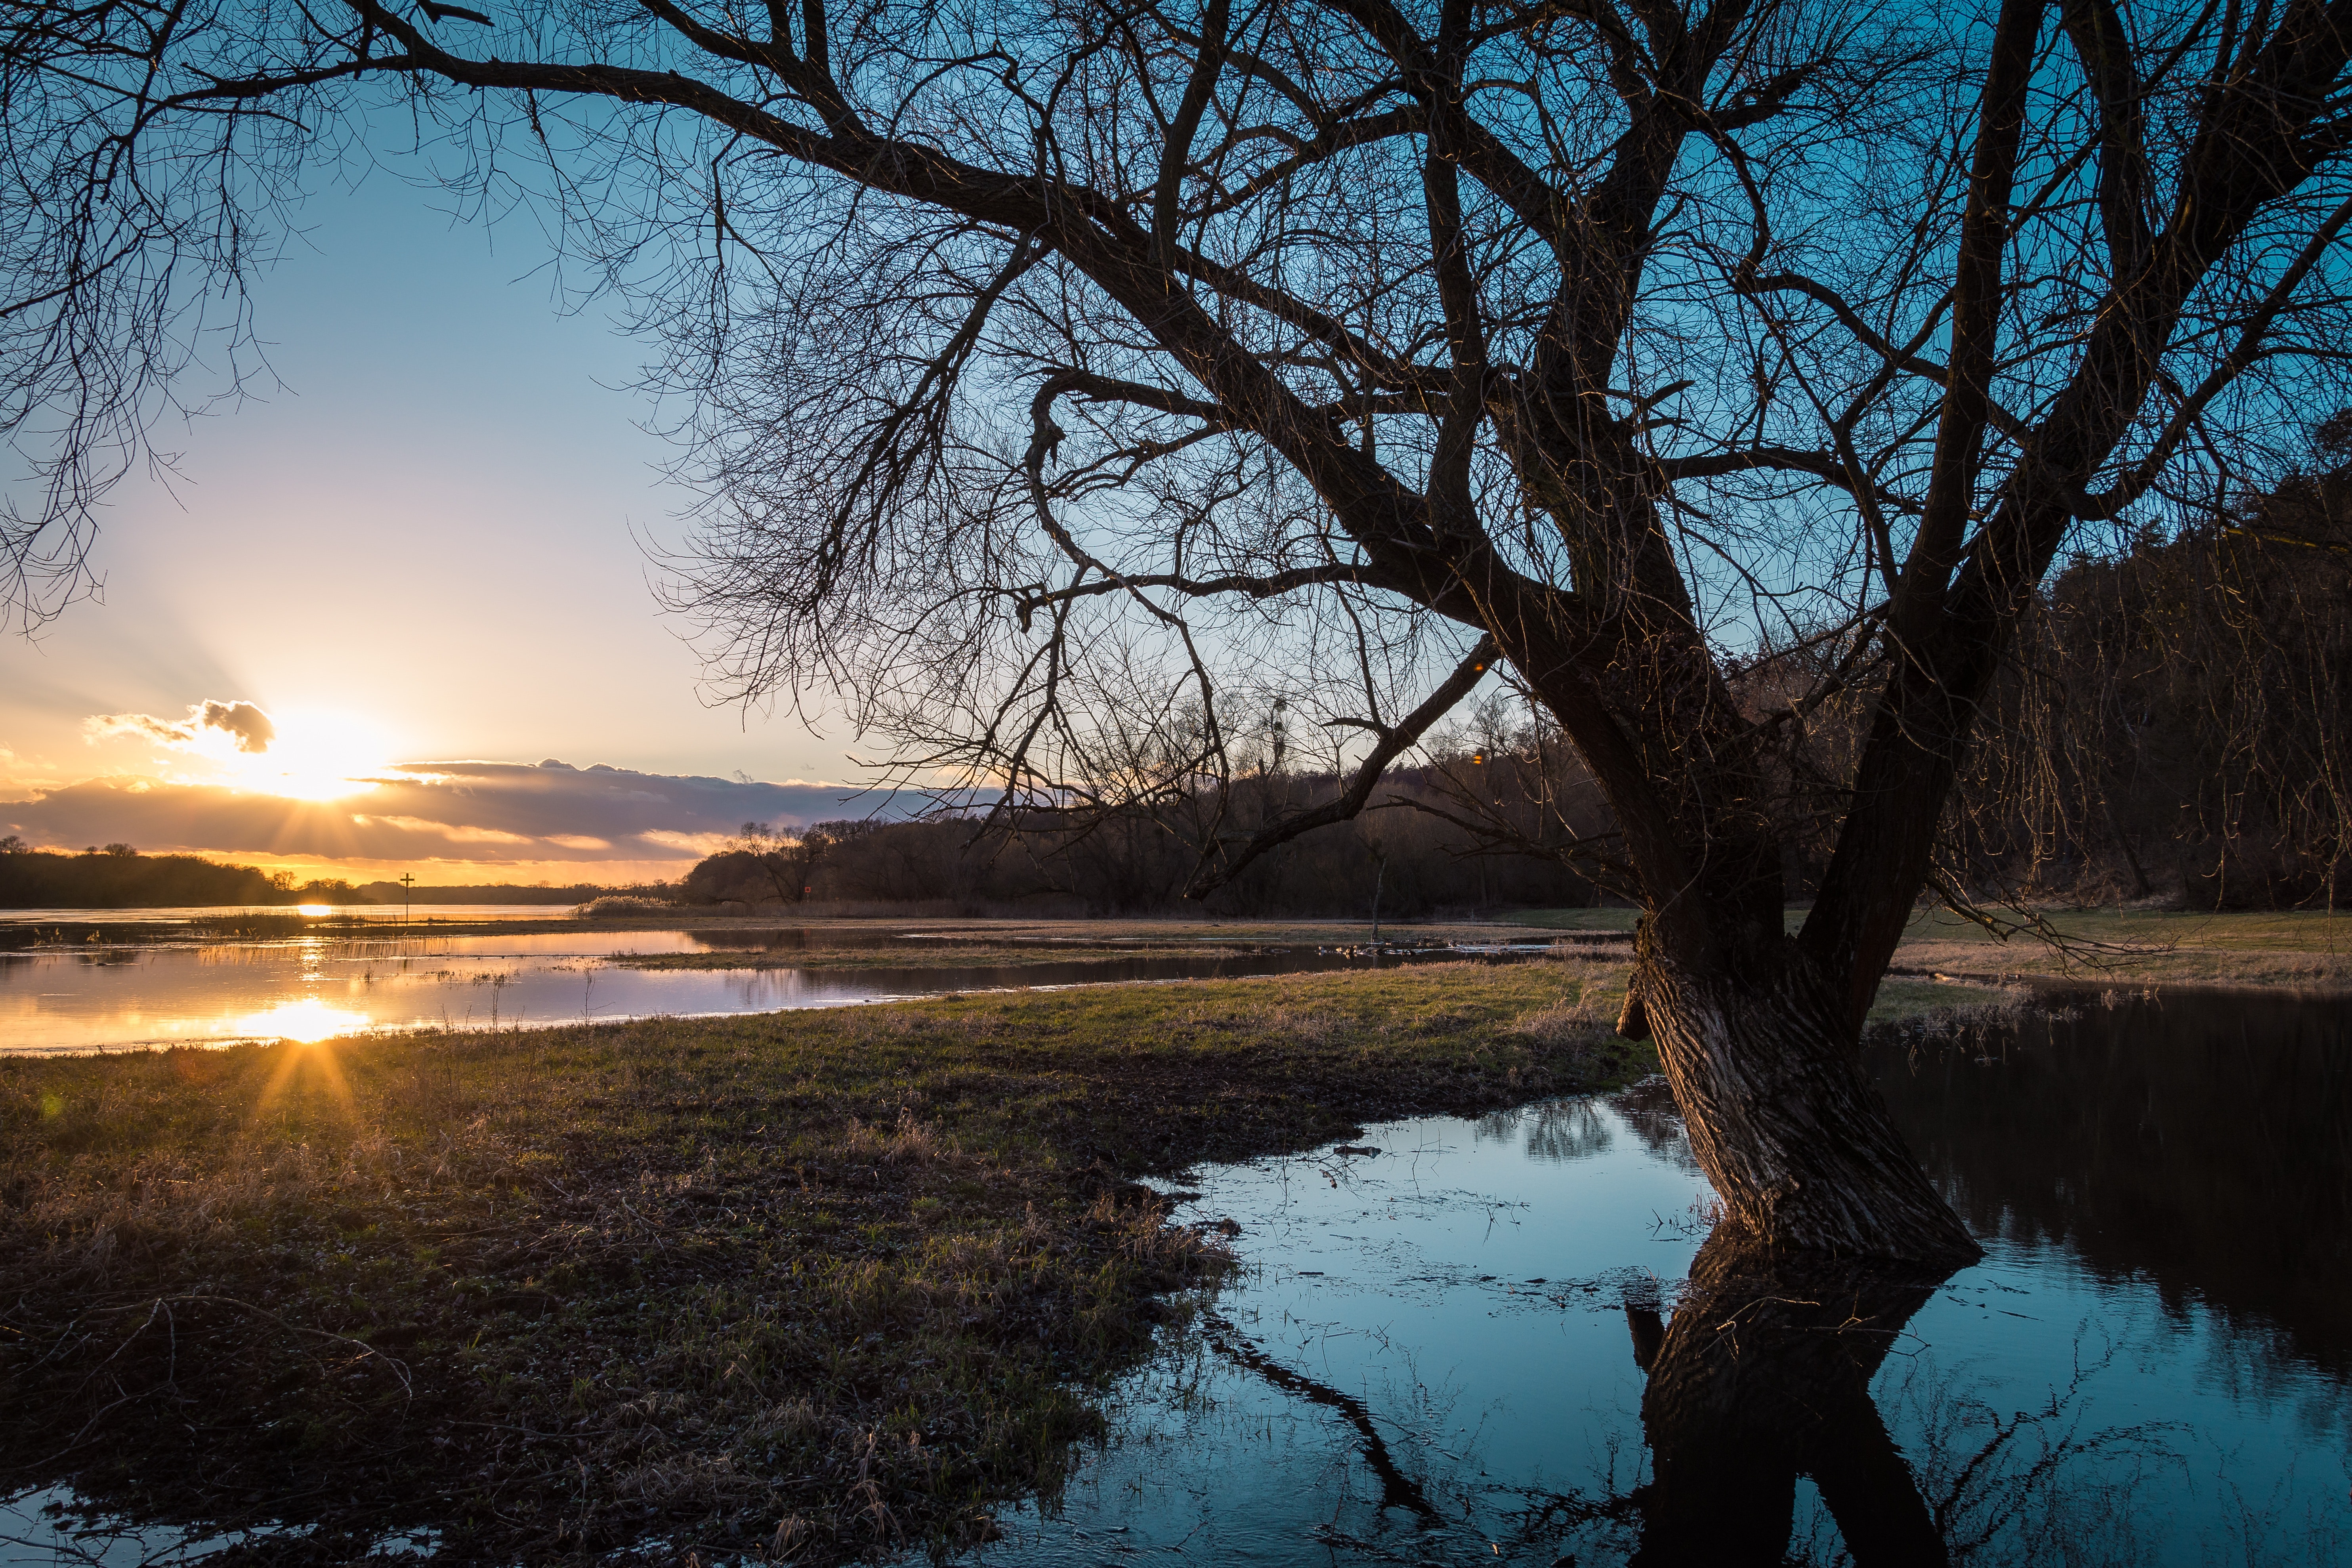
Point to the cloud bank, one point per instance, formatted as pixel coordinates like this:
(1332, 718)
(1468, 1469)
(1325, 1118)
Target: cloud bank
(484, 814)
(243, 723)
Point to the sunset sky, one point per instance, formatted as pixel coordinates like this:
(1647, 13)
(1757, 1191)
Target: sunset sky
(427, 547)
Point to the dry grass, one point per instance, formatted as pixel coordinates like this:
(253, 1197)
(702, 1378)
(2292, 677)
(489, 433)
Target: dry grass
(1939, 1006)
(2298, 949)
(1605, 918)
(921, 955)
(619, 906)
(815, 1286)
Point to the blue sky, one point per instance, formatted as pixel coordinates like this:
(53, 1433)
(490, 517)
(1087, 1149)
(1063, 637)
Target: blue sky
(427, 545)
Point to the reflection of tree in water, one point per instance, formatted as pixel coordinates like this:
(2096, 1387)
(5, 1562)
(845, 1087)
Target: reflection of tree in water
(2031, 1486)
(1763, 1378)
(2117, 1134)
(1556, 1130)
(2042, 1485)
(1648, 1107)
(1766, 1447)
(2202, 1142)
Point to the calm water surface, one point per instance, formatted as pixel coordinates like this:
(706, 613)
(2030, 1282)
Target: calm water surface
(365, 914)
(1432, 1357)
(103, 997)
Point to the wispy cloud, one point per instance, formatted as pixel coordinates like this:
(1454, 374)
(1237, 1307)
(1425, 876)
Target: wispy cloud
(695, 844)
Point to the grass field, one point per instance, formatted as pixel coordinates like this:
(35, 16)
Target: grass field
(2299, 948)
(827, 1283)
(911, 955)
(2095, 947)
(824, 1284)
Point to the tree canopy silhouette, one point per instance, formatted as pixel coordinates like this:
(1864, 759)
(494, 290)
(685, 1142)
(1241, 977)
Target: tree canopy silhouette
(1069, 382)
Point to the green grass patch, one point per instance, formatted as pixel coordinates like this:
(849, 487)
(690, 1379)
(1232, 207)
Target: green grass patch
(825, 1284)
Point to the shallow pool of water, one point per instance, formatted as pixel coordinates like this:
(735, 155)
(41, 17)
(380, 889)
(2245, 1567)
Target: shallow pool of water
(1437, 1353)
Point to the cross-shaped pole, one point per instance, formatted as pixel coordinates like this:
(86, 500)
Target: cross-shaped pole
(407, 883)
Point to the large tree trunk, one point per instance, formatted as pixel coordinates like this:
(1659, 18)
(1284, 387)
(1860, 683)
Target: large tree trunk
(1797, 1143)
(1758, 1036)
(1763, 1376)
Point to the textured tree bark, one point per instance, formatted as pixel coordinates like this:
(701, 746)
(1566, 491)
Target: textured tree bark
(1799, 1145)
(1764, 1375)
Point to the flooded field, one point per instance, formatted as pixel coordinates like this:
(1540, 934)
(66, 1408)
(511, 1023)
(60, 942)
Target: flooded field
(387, 915)
(1438, 1354)
(164, 989)
(1515, 1339)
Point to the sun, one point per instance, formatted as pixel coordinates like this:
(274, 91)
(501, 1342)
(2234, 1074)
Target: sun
(316, 755)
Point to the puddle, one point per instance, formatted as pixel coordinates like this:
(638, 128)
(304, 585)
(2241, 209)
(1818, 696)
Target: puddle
(54, 1529)
(1430, 1357)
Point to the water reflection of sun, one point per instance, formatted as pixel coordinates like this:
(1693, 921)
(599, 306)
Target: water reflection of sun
(306, 1022)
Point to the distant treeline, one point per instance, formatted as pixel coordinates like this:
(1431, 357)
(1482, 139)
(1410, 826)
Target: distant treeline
(1416, 864)
(2174, 726)
(481, 893)
(2180, 724)
(118, 878)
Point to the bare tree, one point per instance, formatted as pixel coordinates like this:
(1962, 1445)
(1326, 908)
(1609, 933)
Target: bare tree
(1070, 381)
(788, 864)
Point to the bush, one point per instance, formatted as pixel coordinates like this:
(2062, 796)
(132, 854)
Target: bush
(613, 906)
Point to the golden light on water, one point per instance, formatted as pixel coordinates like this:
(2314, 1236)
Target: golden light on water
(315, 910)
(306, 1022)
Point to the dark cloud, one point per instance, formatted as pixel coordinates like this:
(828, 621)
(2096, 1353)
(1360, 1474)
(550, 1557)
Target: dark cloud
(249, 724)
(243, 722)
(468, 811)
